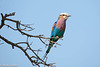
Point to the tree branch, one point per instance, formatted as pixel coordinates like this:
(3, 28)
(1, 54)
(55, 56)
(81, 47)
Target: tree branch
(24, 50)
(37, 60)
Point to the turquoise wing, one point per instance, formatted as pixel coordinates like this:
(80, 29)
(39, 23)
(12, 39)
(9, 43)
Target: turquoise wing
(53, 28)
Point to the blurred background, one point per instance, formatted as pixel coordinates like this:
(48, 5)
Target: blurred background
(81, 41)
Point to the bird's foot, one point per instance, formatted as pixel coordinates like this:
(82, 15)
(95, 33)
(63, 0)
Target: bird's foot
(61, 37)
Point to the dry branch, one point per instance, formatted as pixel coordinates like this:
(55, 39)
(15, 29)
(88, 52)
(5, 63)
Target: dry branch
(37, 60)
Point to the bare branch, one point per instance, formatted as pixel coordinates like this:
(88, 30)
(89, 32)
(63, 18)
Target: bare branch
(43, 42)
(35, 58)
(2, 21)
(24, 50)
(10, 27)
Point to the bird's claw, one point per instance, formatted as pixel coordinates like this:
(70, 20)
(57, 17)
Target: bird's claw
(61, 37)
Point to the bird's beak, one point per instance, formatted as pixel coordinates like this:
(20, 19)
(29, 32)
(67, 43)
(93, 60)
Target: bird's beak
(69, 16)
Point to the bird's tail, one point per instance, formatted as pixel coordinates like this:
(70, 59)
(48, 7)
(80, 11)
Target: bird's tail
(45, 56)
(49, 47)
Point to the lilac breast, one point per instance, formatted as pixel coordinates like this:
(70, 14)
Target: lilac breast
(61, 24)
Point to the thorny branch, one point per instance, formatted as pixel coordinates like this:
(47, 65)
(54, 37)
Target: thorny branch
(37, 60)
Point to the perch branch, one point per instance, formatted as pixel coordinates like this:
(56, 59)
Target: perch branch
(37, 60)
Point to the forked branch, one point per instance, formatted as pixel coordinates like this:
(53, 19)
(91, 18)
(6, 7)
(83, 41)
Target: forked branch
(35, 58)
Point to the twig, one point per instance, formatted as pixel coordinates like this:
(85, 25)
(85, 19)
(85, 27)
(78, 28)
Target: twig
(43, 42)
(37, 60)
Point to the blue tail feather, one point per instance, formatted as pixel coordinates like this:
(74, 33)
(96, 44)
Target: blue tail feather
(45, 56)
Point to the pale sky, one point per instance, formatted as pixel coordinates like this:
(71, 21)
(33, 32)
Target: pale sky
(81, 41)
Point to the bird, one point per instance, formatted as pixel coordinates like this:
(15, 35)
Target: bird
(57, 31)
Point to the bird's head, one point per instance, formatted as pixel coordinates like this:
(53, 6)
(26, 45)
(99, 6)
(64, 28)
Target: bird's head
(64, 15)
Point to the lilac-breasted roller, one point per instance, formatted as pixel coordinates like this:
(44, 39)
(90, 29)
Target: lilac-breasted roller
(58, 30)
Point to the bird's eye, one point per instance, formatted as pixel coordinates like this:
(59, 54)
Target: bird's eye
(62, 15)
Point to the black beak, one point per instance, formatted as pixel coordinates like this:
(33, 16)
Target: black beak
(69, 16)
